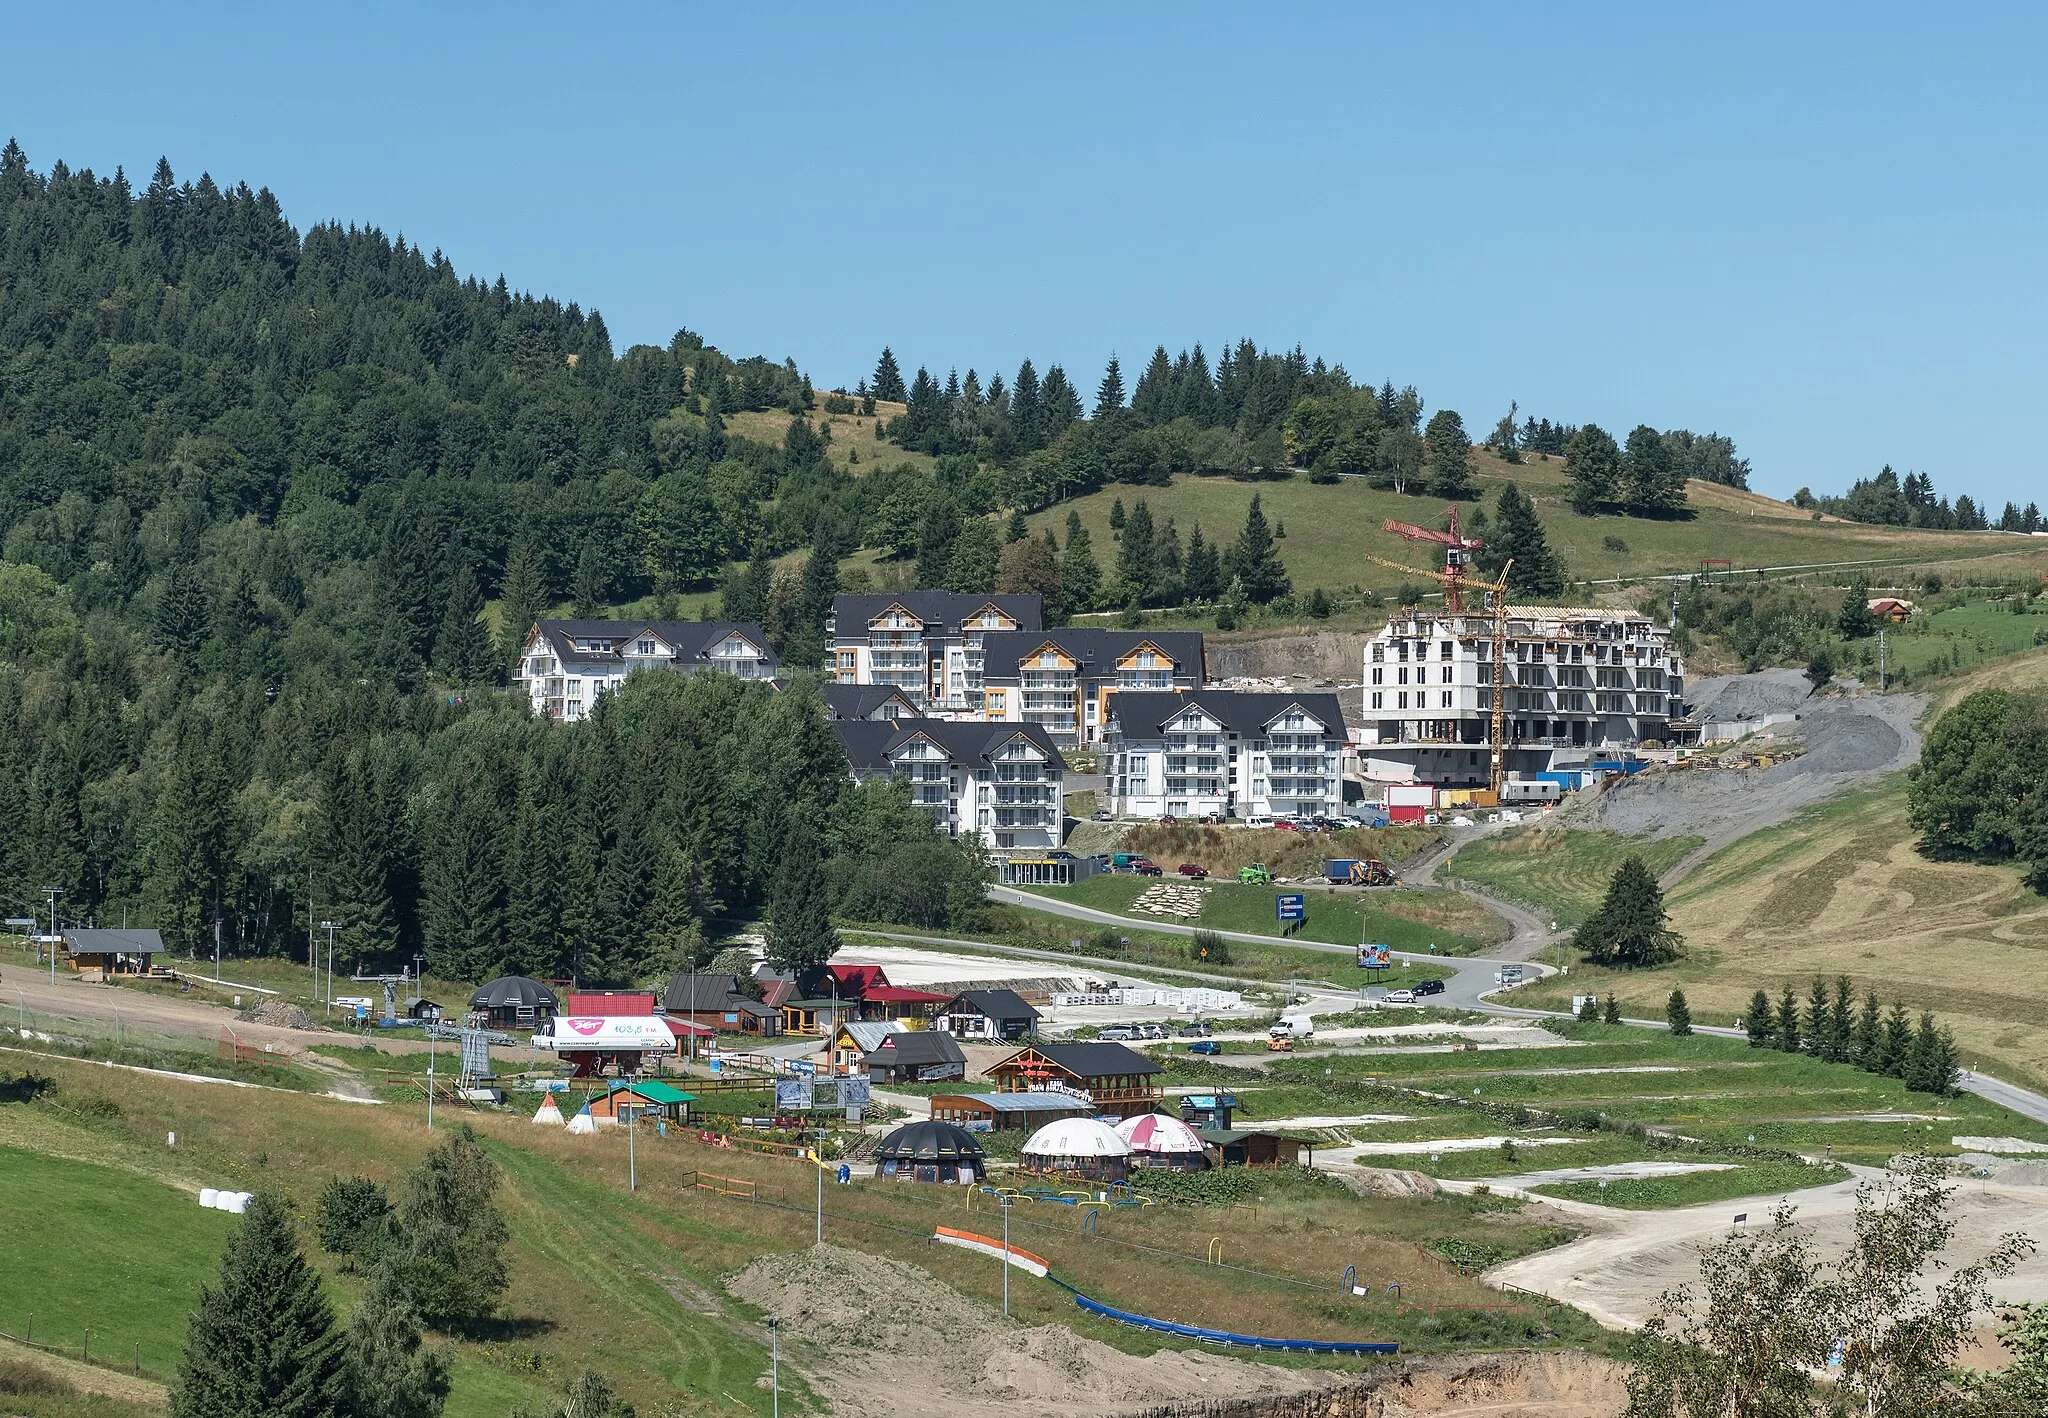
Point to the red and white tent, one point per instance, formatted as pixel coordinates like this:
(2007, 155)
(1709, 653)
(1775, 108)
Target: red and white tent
(1159, 1134)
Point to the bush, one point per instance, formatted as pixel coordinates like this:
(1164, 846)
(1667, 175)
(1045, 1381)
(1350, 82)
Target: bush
(1209, 948)
(353, 1218)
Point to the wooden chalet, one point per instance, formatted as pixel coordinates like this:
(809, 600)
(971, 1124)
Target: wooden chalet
(1112, 1079)
(111, 952)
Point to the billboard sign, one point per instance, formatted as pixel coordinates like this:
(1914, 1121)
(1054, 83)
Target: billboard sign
(1291, 906)
(793, 1095)
(1375, 957)
(608, 1034)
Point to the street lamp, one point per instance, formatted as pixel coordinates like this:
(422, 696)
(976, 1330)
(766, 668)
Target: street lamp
(53, 892)
(632, 1164)
(330, 928)
(1008, 1202)
(775, 1365)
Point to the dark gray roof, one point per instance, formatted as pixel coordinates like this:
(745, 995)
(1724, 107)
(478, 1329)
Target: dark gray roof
(916, 1047)
(1242, 711)
(699, 993)
(996, 1004)
(929, 1141)
(692, 640)
(1094, 649)
(941, 611)
(514, 991)
(1098, 1059)
(866, 701)
(868, 742)
(103, 942)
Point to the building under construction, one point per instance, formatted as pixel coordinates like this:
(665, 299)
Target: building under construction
(1578, 678)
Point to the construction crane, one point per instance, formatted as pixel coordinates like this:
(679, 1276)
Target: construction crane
(1458, 549)
(1454, 578)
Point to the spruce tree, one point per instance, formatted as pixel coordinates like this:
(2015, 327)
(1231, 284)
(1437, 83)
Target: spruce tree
(1134, 555)
(1629, 929)
(1817, 1018)
(935, 537)
(1016, 529)
(800, 933)
(976, 554)
(1678, 1015)
(1109, 394)
(590, 581)
(389, 1372)
(462, 648)
(1869, 1043)
(1760, 1021)
(1080, 577)
(888, 380)
(523, 599)
(1898, 1040)
(1589, 1010)
(1611, 1012)
(1116, 516)
(1921, 1060)
(1855, 621)
(262, 1343)
(1841, 1022)
(1517, 542)
(1254, 564)
(1202, 579)
(745, 597)
(1788, 1021)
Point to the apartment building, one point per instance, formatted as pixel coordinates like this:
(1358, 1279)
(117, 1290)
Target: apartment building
(566, 664)
(1065, 680)
(928, 644)
(1234, 752)
(1001, 782)
(867, 701)
(1575, 678)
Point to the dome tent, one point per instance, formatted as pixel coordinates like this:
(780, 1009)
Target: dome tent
(1158, 1140)
(930, 1152)
(1087, 1147)
(514, 999)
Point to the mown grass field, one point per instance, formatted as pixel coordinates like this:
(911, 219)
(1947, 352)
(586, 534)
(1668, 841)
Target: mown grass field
(1560, 869)
(1336, 918)
(628, 1281)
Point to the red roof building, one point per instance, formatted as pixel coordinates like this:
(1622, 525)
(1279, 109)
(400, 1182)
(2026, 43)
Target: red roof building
(612, 1004)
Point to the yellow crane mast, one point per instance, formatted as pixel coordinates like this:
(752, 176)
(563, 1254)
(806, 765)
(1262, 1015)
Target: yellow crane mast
(1453, 582)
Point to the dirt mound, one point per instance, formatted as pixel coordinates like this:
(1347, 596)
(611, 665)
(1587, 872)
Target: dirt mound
(280, 1014)
(1384, 1181)
(871, 1323)
(1568, 1384)
(1716, 701)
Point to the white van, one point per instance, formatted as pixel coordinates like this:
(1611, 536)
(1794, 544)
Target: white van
(1296, 1026)
(1258, 819)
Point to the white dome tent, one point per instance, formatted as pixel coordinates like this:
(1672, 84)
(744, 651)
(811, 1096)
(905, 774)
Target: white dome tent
(1086, 1147)
(1159, 1140)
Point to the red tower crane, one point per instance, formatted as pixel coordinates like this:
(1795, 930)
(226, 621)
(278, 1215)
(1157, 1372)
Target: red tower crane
(1458, 549)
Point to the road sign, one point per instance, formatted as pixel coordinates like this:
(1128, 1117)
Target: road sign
(1375, 957)
(1291, 907)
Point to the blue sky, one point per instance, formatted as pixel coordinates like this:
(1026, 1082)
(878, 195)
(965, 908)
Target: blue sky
(1815, 228)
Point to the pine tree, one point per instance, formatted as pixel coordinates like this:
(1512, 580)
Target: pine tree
(1611, 1012)
(888, 380)
(1760, 1022)
(523, 599)
(1869, 1042)
(1855, 621)
(590, 581)
(1589, 1010)
(976, 554)
(1898, 1040)
(1080, 577)
(800, 933)
(1449, 449)
(262, 1342)
(1592, 460)
(1016, 529)
(1841, 1022)
(1135, 551)
(1116, 515)
(745, 597)
(1678, 1015)
(389, 1372)
(1254, 564)
(1788, 1021)
(1202, 578)
(1629, 930)
(1817, 1017)
(1109, 394)
(1517, 542)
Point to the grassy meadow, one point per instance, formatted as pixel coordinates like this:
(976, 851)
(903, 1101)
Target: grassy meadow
(1559, 869)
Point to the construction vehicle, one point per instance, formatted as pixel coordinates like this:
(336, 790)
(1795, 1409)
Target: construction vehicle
(1454, 578)
(1362, 871)
(1280, 1044)
(1255, 875)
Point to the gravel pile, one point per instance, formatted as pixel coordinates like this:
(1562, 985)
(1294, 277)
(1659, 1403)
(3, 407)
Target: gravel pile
(1749, 696)
(281, 1013)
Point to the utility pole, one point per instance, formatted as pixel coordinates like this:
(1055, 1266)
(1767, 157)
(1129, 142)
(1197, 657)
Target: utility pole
(775, 1365)
(632, 1165)
(1881, 666)
(430, 1080)
(53, 892)
(820, 1159)
(1006, 1257)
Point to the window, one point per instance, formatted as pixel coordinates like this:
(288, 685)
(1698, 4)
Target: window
(1377, 700)
(1446, 703)
(1376, 675)
(1404, 699)
(1379, 653)
(1447, 674)
(645, 647)
(1404, 674)
(1445, 649)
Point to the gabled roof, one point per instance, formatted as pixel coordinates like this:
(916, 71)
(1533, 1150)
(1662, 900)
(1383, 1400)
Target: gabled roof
(692, 641)
(941, 611)
(1089, 1060)
(110, 942)
(1094, 650)
(867, 701)
(868, 1033)
(653, 1090)
(916, 1047)
(869, 743)
(699, 994)
(996, 1004)
(1241, 711)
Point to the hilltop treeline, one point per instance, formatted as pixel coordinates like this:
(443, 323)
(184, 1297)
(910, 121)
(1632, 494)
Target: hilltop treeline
(1889, 500)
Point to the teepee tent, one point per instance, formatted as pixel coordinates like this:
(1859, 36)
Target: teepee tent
(583, 1122)
(549, 1113)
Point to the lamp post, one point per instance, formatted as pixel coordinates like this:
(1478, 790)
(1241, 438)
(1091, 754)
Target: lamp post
(1007, 1203)
(430, 1080)
(330, 928)
(632, 1165)
(775, 1365)
(820, 1159)
(53, 892)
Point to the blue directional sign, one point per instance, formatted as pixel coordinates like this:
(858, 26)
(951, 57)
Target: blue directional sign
(1292, 907)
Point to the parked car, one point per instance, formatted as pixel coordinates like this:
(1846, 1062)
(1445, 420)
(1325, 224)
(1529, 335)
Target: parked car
(1169, 820)
(1148, 869)
(1286, 824)
(1190, 869)
(1258, 819)
(1117, 1033)
(1102, 815)
(1196, 1029)
(1398, 997)
(1151, 1031)
(1205, 1046)
(1427, 987)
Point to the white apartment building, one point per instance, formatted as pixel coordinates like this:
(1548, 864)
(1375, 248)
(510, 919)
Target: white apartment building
(1001, 782)
(1066, 680)
(566, 664)
(1226, 751)
(1576, 678)
(928, 644)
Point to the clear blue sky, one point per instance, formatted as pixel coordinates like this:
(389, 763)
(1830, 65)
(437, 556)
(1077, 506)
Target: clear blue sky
(1817, 229)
